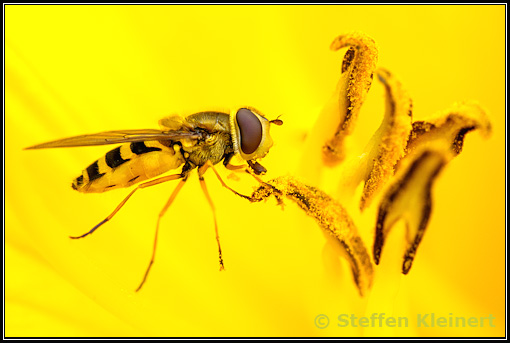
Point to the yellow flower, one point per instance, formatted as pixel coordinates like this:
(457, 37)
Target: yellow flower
(79, 69)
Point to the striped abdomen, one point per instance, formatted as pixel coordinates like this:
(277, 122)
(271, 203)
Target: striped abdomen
(128, 164)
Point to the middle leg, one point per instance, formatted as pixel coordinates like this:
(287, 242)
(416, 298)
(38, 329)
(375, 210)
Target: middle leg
(161, 214)
(211, 204)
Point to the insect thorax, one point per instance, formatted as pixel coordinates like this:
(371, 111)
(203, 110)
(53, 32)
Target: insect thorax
(214, 148)
(217, 143)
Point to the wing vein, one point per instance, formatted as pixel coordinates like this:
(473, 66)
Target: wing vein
(117, 137)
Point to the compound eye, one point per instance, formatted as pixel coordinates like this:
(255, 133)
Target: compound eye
(250, 130)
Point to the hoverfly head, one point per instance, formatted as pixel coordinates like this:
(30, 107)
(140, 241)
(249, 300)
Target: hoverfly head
(250, 133)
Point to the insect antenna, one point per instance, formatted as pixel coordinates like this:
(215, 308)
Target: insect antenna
(277, 121)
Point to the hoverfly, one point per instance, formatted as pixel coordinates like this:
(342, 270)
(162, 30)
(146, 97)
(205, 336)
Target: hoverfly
(200, 140)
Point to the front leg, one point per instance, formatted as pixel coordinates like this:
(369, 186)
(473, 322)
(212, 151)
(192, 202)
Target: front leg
(207, 165)
(253, 169)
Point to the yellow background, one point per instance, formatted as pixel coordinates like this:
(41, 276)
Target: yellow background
(82, 69)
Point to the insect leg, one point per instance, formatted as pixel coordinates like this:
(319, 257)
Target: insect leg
(208, 165)
(242, 168)
(235, 168)
(142, 185)
(204, 189)
(161, 214)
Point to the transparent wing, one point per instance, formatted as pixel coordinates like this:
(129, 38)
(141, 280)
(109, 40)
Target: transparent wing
(116, 137)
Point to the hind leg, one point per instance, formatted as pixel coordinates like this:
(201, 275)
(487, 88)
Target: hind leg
(123, 202)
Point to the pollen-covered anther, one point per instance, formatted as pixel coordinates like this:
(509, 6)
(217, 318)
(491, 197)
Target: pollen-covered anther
(409, 198)
(449, 127)
(431, 145)
(388, 144)
(358, 66)
(331, 217)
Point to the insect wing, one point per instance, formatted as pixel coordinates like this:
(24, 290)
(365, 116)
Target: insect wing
(116, 137)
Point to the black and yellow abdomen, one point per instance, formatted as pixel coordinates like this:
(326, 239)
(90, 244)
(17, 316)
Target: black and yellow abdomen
(128, 164)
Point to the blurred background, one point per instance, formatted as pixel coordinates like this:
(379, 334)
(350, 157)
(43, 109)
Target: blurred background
(73, 69)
